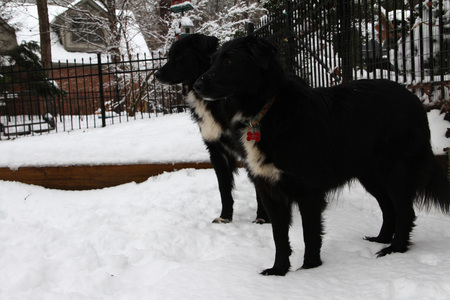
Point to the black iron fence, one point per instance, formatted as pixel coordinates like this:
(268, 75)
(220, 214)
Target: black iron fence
(83, 95)
(327, 42)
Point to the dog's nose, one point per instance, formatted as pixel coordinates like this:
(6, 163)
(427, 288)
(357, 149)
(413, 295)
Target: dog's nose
(199, 85)
(158, 75)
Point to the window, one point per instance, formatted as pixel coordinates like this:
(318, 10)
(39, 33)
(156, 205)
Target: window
(87, 31)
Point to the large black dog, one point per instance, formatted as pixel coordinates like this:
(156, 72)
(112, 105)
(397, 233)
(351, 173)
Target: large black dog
(302, 143)
(188, 58)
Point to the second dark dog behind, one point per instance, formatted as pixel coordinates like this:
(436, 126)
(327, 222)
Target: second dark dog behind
(188, 58)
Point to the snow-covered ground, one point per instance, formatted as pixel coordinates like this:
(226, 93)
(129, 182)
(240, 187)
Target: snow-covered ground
(155, 240)
(167, 139)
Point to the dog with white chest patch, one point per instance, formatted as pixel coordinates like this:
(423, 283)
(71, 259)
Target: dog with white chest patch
(302, 143)
(188, 58)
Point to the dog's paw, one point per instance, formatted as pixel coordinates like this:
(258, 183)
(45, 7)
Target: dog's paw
(311, 264)
(384, 252)
(260, 221)
(274, 272)
(391, 249)
(220, 220)
(377, 239)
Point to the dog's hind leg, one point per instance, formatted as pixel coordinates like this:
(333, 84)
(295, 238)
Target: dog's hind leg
(387, 209)
(224, 166)
(402, 192)
(311, 209)
(404, 226)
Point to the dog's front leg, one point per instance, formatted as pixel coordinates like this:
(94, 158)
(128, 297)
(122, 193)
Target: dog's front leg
(224, 166)
(280, 215)
(311, 208)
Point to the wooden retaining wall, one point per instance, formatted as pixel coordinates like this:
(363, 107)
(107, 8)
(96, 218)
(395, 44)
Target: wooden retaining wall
(96, 177)
(91, 177)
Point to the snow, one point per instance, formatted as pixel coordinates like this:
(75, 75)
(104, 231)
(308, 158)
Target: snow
(155, 240)
(229, 21)
(399, 15)
(438, 128)
(186, 22)
(181, 7)
(168, 139)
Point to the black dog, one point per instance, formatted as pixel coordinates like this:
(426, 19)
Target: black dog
(188, 58)
(302, 143)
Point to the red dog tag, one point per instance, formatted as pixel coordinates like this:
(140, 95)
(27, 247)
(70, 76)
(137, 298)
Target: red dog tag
(253, 136)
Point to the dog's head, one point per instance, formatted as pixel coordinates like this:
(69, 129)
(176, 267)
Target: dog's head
(244, 66)
(188, 58)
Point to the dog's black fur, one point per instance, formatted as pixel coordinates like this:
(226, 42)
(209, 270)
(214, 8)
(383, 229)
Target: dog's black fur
(188, 58)
(315, 140)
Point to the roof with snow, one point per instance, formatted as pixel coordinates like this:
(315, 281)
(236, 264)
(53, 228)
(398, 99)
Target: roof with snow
(186, 22)
(181, 6)
(25, 21)
(7, 37)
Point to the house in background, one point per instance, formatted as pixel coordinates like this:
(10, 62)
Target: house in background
(78, 31)
(81, 28)
(8, 38)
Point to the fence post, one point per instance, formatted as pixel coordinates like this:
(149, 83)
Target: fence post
(343, 10)
(250, 28)
(290, 61)
(100, 83)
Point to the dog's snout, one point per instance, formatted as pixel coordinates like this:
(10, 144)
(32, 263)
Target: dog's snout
(158, 75)
(206, 88)
(199, 85)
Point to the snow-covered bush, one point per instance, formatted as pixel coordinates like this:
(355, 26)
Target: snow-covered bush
(422, 49)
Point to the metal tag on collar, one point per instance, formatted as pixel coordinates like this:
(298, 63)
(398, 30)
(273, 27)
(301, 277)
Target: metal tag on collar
(253, 134)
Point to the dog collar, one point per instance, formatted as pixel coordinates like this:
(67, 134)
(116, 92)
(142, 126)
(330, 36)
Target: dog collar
(258, 117)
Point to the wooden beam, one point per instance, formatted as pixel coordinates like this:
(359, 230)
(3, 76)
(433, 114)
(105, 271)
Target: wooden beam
(97, 177)
(91, 177)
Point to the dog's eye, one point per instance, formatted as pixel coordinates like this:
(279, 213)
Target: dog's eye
(179, 56)
(227, 61)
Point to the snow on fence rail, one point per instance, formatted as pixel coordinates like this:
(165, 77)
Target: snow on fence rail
(327, 42)
(83, 95)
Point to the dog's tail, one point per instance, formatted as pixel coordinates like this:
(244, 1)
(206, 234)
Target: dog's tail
(436, 191)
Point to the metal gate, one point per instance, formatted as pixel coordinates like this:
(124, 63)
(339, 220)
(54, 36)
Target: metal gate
(327, 42)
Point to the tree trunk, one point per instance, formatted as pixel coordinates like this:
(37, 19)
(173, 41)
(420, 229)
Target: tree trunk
(44, 30)
(114, 29)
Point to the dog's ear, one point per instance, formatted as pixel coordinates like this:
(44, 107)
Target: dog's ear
(212, 43)
(262, 51)
(205, 44)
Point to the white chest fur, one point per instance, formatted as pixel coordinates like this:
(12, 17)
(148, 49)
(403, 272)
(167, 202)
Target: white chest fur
(209, 128)
(255, 160)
